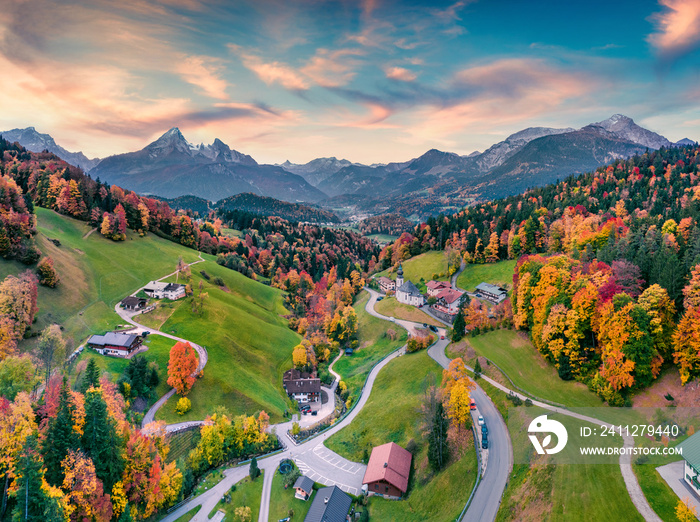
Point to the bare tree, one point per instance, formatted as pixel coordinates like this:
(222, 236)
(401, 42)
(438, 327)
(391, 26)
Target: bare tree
(52, 349)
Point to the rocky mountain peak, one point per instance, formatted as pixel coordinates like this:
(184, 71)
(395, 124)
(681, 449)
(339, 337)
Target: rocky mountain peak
(624, 127)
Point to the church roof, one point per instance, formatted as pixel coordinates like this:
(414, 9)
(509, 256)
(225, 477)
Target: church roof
(409, 288)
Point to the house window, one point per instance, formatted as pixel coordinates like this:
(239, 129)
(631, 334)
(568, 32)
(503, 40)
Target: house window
(386, 489)
(376, 486)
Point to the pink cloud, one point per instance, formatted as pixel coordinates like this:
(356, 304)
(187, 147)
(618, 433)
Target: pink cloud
(326, 68)
(272, 72)
(204, 73)
(332, 68)
(502, 92)
(400, 74)
(678, 27)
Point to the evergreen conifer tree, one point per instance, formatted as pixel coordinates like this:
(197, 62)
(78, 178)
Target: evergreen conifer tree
(91, 376)
(437, 439)
(100, 440)
(60, 437)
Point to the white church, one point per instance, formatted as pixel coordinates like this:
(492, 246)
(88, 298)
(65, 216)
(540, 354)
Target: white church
(407, 292)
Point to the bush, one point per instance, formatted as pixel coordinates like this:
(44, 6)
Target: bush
(291, 478)
(183, 406)
(47, 273)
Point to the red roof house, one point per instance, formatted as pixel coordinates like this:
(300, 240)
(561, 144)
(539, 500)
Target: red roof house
(388, 470)
(435, 287)
(448, 300)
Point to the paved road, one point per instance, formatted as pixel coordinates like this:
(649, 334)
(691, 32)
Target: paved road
(487, 499)
(481, 508)
(202, 355)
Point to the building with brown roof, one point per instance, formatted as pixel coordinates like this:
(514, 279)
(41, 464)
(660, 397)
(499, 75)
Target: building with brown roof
(301, 386)
(387, 471)
(435, 287)
(386, 284)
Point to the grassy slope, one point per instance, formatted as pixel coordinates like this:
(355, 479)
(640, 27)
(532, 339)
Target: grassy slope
(392, 414)
(495, 273)
(391, 307)
(517, 357)
(95, 273)
(374, 345)
(423, 266)
(282, 500)
(248, 493)
(564, 492)
(248, 341)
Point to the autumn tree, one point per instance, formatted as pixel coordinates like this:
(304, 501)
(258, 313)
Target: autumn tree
(181, 367)
(84, 490)
(686, 345)
(17, 423)
(457, 388)
(51, 349)
(685, 511)
(48, 276)
(17, 374)
(299, 356)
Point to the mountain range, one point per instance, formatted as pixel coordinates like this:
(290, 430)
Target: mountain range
(171, 167)
(436, 181)
(34, 141)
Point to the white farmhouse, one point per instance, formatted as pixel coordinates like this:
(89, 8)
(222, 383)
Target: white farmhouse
(160, 290)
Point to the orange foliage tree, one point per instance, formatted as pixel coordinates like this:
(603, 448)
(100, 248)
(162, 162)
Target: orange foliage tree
(181, 367)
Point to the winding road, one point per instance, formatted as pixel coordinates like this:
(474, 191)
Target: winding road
(202, 356)
(326, 467)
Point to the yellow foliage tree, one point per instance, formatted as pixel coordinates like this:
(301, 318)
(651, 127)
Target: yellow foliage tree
(685, 511)
(299, 356)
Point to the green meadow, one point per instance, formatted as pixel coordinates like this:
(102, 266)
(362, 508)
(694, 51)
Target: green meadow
(500, 274)
(96, 273)
(423, 266)
(392, 414)
(241, 325)
(248, 342)
(375, 344)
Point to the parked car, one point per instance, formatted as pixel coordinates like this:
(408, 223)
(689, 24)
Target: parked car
(484, 443)
(442, 337)
(433, 328)
(393, 320)
(380, 298)
(484, 431)
(425, 325)
(314, 412)
(472, 404)
(481, 421)
(287, 519)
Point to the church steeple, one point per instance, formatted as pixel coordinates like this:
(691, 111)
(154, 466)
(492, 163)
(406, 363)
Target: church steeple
(399, 277)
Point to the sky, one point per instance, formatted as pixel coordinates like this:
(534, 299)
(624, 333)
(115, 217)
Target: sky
(369, 81)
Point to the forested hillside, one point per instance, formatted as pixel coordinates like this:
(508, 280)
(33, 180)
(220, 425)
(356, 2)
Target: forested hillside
(607, 279)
